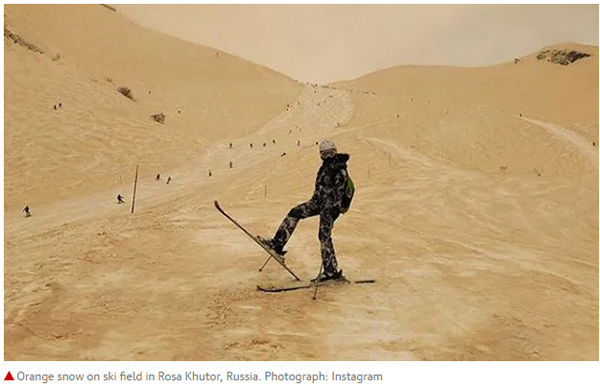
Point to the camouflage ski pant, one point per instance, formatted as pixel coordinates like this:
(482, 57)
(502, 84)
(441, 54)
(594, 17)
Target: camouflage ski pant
(326, 219)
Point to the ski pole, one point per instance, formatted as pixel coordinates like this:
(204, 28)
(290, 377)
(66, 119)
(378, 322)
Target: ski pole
(318, 281)
(265, 264)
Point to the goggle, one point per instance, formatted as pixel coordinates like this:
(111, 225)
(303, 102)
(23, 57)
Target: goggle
(327, 154)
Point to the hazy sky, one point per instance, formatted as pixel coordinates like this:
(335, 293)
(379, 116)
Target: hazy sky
(325, 43)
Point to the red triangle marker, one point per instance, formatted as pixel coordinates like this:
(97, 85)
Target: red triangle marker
(9, 377)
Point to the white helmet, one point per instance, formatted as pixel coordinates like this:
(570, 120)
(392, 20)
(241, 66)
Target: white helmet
(327, 146)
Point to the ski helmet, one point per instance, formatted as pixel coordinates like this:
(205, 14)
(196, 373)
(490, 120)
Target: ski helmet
(327, 148)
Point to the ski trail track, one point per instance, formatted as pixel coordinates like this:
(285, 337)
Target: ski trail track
(576, 140)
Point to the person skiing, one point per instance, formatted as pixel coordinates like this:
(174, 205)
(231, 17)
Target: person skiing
(26, 211)
(120, 199)
(326, 202)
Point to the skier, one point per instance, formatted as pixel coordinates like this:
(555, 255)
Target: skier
(26, 211)
(120, 199)
(168, 180)
(326, 202)
(157, 177)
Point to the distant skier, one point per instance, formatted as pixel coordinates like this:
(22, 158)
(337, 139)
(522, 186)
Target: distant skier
(168, 180)
(326, 202)
(209, 173)
(26, 211)
(157, 177)
(120, 199)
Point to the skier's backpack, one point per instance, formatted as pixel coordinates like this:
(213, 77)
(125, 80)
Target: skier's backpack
(348, 194)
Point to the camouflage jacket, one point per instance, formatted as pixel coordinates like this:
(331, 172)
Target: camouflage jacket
(331, 182)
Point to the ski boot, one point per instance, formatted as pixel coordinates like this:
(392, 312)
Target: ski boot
(325, 277)
(270, 243)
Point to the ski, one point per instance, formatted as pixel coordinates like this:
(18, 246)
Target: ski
(305, 285)
(273, 254)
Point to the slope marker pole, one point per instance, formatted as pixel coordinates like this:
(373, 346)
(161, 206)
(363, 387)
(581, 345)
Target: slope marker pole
(134, 189)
